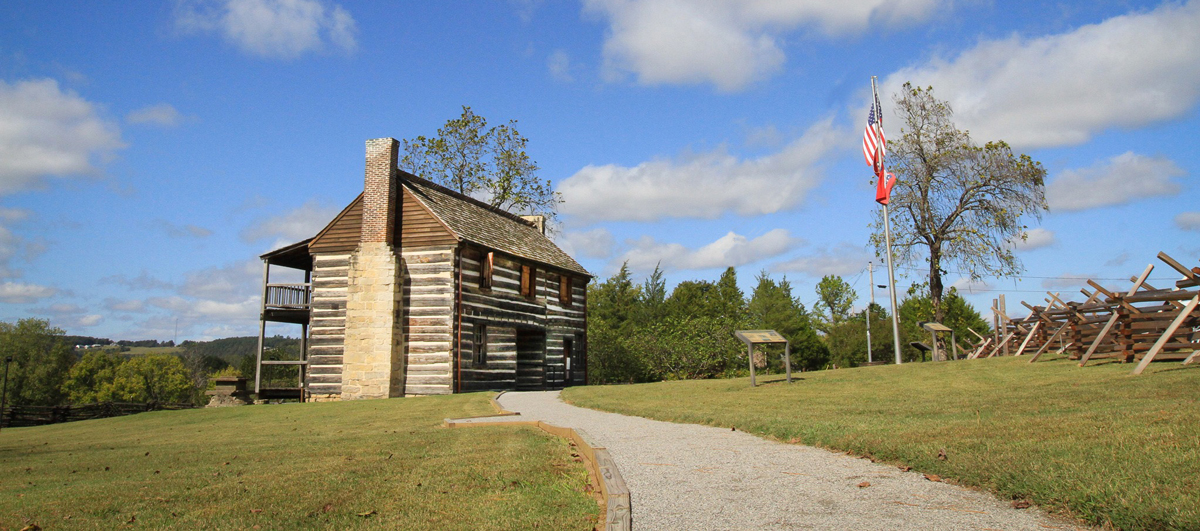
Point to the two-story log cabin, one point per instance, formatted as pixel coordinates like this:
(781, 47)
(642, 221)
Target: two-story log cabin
(415, 289)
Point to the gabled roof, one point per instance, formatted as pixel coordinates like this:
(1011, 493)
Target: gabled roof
(477, 222)
(294, 256)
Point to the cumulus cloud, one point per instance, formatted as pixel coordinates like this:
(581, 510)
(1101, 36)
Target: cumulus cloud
(701, 185)
(966, 285)
(559, 64)
(282, 29)
(730, 250)
(842, 260)
(129, 305)
(290, 227)
(729, 43)
(45, 131)
(144, 281)
(22, 293)
(595, 243)
(1188, 221)
(163, 115)
(1122, 179)
(230, 283)
(1035, 238)
(1127, 71)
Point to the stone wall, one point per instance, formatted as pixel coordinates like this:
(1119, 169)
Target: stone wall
(373, 365)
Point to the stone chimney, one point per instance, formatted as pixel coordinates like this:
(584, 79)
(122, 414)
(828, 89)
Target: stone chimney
(372, 359)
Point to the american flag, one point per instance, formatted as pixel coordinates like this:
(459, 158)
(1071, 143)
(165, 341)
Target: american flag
(874, 143)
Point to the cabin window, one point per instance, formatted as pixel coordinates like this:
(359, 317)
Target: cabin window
(485, 270)
(564, 289)
(479, 347)
(528, 281)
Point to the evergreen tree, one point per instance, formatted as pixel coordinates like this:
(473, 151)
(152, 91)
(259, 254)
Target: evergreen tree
(772, 307)
(613, 311)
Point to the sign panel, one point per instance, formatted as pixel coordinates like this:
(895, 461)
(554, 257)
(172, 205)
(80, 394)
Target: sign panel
(760, 336)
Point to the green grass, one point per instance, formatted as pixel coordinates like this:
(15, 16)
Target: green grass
(376, 463)
(1094, 443)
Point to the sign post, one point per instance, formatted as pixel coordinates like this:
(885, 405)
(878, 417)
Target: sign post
(765, 337)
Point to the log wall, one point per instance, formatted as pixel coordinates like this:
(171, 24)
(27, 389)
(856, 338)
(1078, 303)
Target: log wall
(428, 318)
(328, 330)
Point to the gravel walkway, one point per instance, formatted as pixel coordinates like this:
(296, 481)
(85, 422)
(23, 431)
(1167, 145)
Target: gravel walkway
(687, 476)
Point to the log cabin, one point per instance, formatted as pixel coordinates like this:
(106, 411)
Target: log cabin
(415, 289)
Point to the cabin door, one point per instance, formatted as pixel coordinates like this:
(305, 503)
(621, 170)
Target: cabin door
(531, 360)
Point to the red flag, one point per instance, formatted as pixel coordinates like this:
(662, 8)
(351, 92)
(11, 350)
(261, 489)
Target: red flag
(883, 188)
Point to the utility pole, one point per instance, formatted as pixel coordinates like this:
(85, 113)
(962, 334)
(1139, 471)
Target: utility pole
(871, 268)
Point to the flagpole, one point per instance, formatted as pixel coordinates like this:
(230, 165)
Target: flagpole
(887, 238)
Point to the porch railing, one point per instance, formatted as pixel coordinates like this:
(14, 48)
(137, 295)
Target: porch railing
(289, 296)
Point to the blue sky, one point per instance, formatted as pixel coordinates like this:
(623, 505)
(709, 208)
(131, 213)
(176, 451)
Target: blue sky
(149, 151)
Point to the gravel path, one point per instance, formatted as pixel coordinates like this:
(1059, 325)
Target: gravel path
(686, 476)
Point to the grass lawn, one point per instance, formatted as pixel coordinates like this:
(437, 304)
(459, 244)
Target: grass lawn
(377, 463)
(1095, 442)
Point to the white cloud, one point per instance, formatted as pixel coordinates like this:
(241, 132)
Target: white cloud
(131, 305)
(1067, 281)
(282, 29)
(703, 185)
(1128, 71)
(729, 43)
(290, 227)
(966, 285)
(229, 283)
(182, 231)
(559, 64)
(45, 131)
(22, 293)
(843, 259)
(162, 114)
(1188, 221)
(730, 250)
(595, 243)
(1116, 181)
(1035, 238)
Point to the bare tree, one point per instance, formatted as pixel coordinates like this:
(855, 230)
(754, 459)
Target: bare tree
(956, 203)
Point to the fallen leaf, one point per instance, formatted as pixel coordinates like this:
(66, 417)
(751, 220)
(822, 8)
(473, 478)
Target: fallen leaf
(1020, 504)
(904, 468)
(368, 513)
(732, 429)
(942, 454)
(328, 507)
(132, 519)
(256, 511)
(933, 477)
(864, 484)
(147, 454)
(31, 527)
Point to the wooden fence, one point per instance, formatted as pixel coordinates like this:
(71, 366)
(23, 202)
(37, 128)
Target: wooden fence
(1141, 323)
(19, 416)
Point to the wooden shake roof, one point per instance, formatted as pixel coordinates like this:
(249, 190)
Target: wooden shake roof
(458, 217)
(477, 222)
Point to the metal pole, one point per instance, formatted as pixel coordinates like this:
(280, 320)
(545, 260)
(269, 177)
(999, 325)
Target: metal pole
(887, 238)
(871, 268)
(4, 394)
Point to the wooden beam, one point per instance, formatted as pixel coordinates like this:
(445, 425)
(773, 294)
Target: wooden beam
(1191, 358)
(1190, 278)
(1166, 337)
(1001, 344)
(1028, 337)
(1099, 338)
(982, 347)
(1137, 282)
(1045, 346)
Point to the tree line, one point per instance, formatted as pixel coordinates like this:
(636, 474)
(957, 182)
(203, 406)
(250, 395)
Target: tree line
(637, 332)
(47, 371)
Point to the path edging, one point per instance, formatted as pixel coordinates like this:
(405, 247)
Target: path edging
(614, 494)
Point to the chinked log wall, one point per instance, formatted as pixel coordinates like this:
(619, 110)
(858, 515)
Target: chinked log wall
(428, 313)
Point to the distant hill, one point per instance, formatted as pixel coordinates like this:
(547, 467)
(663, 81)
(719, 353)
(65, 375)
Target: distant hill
(232, 349)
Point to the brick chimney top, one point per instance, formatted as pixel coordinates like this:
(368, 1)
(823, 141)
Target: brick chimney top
(380, 190)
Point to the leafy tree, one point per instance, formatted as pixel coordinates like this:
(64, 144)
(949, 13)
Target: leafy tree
(720, 299)
(613, 313)
(41, 362)
(959, 315)
(90, 379)
(654, 294)
(490, 163)
(834, 299)
(688, 346)
(772, 307)
(158, 378)
(955, 202)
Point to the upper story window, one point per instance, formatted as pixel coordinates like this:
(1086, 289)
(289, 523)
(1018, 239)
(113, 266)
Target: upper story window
(564, 289)
(528, 281)
(486, 263)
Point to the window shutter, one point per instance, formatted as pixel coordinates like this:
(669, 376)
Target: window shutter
(564, 289)
(526, 281)
(485, 273)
